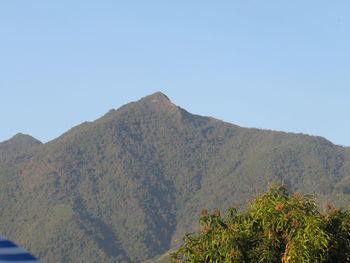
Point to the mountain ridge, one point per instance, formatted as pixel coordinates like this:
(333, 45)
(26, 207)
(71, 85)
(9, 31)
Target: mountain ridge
(127, 186)
(157, 99)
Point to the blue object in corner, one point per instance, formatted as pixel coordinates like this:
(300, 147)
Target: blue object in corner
(10, 252)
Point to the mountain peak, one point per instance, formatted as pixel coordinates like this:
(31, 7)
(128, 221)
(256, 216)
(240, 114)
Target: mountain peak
(19, 143)
(158, 96)
(160, 101)
(23, 139)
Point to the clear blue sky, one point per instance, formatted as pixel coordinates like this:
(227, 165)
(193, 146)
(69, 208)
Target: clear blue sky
(280, 65)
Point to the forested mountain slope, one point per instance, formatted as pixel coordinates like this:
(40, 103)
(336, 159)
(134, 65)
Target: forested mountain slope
(127, 186)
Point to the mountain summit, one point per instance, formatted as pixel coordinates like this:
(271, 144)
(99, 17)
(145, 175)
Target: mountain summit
(159, 101)
(129, 185)
(157, 97)
(20, 143)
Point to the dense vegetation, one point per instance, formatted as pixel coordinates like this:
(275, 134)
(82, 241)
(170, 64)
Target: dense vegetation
(276, 227)
(129, 185)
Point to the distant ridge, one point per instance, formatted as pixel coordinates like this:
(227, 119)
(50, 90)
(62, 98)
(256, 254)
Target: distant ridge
(21, 139)
(20, 143)
(129, 185)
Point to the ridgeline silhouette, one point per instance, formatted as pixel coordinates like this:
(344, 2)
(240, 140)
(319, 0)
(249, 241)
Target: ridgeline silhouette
(129, 185)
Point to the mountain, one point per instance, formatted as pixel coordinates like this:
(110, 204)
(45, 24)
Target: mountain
(20, 143)
(129, 185)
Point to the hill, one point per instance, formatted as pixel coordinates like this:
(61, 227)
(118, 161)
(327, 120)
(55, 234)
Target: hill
(127, 186)
(17, 145)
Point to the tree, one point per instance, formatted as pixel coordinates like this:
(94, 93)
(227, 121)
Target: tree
(276, 227)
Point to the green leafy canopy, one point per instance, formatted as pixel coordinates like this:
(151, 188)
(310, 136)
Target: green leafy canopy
(276, 227)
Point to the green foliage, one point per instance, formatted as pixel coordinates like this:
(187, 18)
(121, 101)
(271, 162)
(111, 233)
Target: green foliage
(276, 227)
